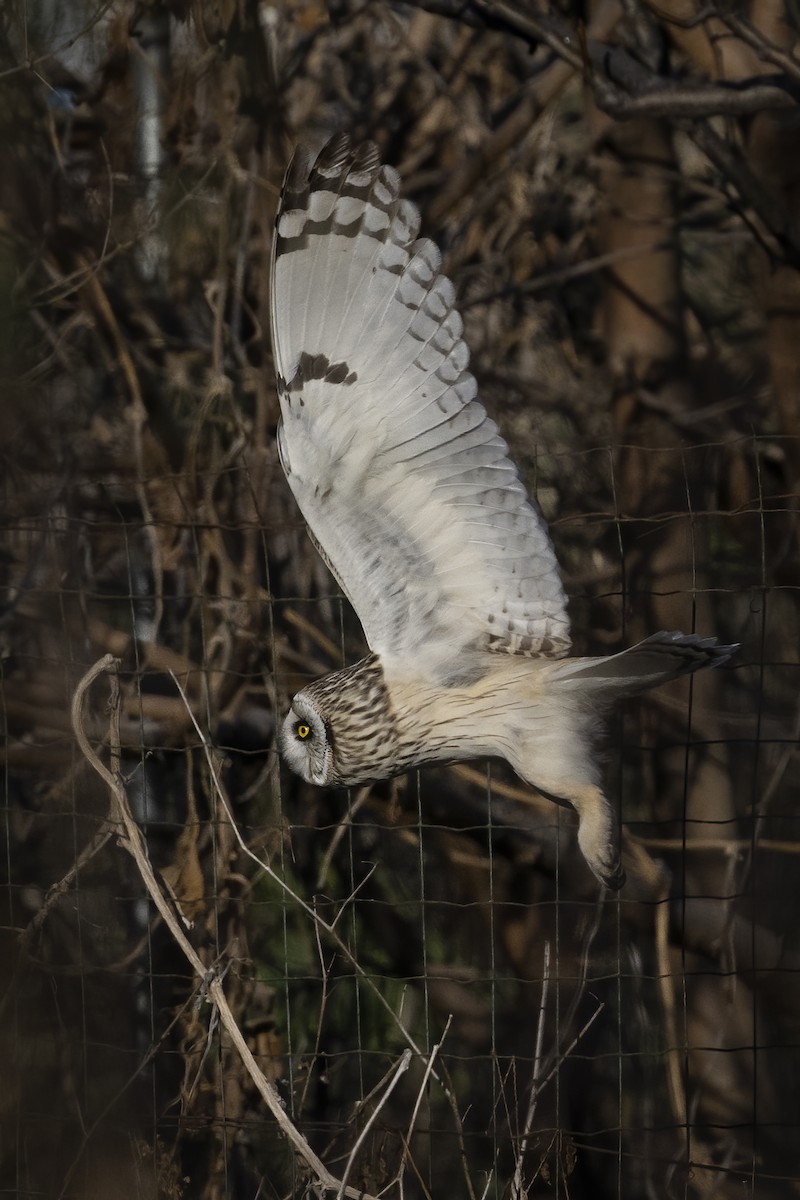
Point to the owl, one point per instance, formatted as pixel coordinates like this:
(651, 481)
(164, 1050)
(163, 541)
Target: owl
(412, 500)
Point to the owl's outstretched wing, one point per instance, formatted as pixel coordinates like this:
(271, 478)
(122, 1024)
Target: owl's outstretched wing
(400, 474)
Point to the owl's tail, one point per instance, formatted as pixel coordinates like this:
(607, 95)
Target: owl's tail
(658, 659)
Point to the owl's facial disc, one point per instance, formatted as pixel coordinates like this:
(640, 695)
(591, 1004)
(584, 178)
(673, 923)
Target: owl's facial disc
(304, 742)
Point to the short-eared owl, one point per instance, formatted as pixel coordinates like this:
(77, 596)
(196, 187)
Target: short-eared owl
(414, 504)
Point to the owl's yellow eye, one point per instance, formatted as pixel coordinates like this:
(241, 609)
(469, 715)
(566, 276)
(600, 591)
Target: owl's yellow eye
(302, 731)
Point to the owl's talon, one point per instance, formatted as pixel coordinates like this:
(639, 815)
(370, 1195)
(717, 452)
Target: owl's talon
(614, 879)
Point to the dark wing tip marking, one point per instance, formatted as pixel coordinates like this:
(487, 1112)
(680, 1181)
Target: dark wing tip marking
(306, 167)
(340, 170)
(339, 151)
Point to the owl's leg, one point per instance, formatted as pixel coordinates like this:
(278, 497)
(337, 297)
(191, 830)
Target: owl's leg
(560, 765)
(598, 834)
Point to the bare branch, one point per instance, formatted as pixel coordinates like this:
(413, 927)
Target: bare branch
(517, 1191)
(624, 87)
(400, 1070)
(763, 46)
(679, 100)
(729, 161)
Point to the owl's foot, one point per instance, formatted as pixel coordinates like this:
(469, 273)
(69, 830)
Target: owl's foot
(598, 836)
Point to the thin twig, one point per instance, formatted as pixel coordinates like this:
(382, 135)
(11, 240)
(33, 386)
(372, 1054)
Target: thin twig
(459, 1124)
(421, 1092)
(61, 887)
(323, 1003)
(565, 1053)
(516, 1184)
(764, 47)
(341, 829)
(675, 1087)
(401, 1069)
(138, 418)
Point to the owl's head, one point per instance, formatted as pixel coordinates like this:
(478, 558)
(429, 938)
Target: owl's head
(340, 730)
(305, 742)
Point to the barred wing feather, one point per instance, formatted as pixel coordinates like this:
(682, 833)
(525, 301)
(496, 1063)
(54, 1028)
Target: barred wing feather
(402, 477)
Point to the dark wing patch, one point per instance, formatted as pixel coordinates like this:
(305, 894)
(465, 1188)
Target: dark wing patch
(317, 366)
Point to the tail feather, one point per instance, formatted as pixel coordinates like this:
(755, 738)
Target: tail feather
(658, 659)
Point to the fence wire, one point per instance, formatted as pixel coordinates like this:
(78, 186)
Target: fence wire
(642, 1046)
(215, 980)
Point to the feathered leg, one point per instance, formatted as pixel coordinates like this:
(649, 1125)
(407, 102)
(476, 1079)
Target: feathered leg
(557, 759)
(598, 828)
(598, 835)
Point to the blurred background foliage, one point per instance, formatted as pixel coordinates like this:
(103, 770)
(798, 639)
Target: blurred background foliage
(615, 191)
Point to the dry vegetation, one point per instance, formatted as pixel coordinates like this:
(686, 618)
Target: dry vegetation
(616, 192)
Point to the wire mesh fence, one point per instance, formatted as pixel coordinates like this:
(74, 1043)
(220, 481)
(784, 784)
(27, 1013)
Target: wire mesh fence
(218, 981)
